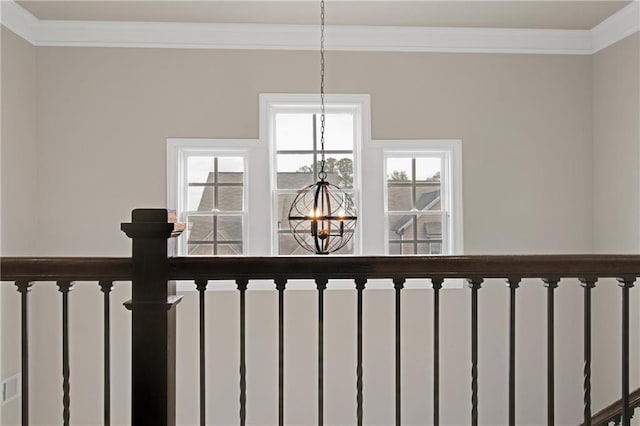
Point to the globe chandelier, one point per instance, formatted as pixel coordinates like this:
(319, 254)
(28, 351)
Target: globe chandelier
(322, 217)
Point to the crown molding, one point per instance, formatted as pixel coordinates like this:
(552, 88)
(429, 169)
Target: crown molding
(616, 27)
(18, 20)
(305, 37)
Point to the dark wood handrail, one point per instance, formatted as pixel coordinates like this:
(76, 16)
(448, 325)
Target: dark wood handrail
(153, 311)
(349, 267)
(335, 267)
(613, 412)
(65, 268)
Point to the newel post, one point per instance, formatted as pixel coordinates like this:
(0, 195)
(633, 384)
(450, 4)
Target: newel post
(153, 319)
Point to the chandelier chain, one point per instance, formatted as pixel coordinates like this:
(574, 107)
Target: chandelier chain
(322, 174)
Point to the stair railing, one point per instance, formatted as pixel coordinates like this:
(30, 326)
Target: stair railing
(153, 268)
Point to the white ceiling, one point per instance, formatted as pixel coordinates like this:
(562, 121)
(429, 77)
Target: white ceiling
(544, 14)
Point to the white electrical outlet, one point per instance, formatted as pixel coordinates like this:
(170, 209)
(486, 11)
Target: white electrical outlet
(10, 389)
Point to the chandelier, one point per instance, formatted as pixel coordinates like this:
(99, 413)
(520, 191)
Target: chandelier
(322, 217)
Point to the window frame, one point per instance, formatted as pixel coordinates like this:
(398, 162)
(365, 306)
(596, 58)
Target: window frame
(274, 103)
(450, 151)
(178, 153)
(443, 212)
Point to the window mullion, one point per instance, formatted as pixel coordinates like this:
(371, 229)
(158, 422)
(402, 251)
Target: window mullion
(413, 184)
(215, 235)
(215, 186)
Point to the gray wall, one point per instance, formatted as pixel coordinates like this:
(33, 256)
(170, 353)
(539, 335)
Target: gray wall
(616, 198)
(103, 116)
(18, 192)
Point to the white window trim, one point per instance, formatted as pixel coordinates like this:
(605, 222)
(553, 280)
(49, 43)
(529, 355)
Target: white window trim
(178, 148)
(444, 196)
(374, 179)
(450, 153)
(271, 103)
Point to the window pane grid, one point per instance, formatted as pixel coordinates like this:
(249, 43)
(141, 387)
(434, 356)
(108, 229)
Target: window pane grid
(223, 189)
(414, 208)
(216, 235)
(412, 247)
(219, 249)
(213, 209)
(297, 168)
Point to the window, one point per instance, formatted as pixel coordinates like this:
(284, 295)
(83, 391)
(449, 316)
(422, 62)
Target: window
(414, 202)
(235, 195)
(209, 196)
(419, 209)
(292, 126)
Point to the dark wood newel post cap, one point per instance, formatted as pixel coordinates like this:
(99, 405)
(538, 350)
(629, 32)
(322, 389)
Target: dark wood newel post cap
(150, 223)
